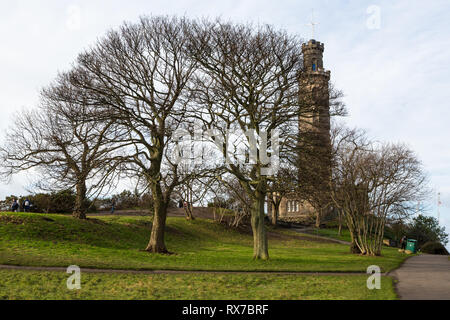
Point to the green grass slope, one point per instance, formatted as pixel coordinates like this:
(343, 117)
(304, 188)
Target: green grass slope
(117, 242)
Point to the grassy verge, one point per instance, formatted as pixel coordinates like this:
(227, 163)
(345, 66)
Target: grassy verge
(116, 242)
(30, 285)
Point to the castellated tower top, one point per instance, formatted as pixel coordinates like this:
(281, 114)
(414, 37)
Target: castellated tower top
(314, 45)
(313, 58)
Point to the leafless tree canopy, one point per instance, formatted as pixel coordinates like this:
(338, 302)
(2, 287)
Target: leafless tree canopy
(372, 182)
(247, 82)
(66, 143)
(140, 73)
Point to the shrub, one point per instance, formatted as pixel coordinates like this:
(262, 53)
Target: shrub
(432, 247)
(56, 202)
(128, 200)
(426, 229)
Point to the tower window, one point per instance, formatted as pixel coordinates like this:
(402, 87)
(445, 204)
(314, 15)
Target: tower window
(314, 67)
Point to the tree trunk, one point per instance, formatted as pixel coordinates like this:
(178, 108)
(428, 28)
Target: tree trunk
(189, 208)
(275, 212)
(318, 218)
(260, 245)
(189, 211)
(79, 211)
(157, 244)
(354, 248)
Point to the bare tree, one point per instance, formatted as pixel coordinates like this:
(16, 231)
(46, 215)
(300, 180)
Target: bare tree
(140, 71)
(196, 171)
(236, 198)
(69, 146)
(371, 183)
(283, 184)
(248, 83)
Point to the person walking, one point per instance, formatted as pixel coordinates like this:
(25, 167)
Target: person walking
(15, 206)
(403, 242)
(26, 205)
(113, 206)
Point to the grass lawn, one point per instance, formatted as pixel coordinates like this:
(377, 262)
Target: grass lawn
(117, 242)
(31, 285)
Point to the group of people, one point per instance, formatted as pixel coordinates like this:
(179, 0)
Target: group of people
(16, 206)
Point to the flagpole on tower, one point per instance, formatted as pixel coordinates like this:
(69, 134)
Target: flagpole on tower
(313, 25)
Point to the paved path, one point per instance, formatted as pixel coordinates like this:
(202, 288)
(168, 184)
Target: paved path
(424, 277)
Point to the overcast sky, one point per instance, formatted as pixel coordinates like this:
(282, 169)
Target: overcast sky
(391, 59)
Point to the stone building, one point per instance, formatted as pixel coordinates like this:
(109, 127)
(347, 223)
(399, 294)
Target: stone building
(315, 125)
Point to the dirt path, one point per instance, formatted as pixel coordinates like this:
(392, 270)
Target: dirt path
(150, 272)
(204, 213)
(309, 232)
(424, 277)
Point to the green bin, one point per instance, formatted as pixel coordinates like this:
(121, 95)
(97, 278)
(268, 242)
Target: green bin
(411, 245)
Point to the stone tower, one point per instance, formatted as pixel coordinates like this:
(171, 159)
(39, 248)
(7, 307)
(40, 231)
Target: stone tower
(314, 132)
(314, 140)
(314, 90)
